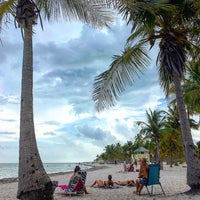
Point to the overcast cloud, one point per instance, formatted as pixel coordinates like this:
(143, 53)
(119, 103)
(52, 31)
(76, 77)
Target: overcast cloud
(67, 57)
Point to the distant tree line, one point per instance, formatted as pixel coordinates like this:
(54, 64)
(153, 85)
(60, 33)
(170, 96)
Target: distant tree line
(160, 134)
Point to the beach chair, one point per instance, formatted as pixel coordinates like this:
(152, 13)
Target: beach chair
(76, 187)
(154, 175)
(77, 190)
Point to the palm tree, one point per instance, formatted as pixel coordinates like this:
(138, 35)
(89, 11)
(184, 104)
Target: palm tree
(118, 151)
(110, 152)
(152, 129)
(34, 183)
(198, 149)
(191, 89)
(174, 26)
(171, 143)
(128, 151)
(138, 141)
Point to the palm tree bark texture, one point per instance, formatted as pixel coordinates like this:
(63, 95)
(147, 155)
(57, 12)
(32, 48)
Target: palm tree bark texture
(34, 183)
(193, 169)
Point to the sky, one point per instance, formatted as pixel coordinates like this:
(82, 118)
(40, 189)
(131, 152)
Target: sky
(67, 57)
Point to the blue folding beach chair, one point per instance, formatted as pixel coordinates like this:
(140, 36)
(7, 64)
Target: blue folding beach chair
(154, 175)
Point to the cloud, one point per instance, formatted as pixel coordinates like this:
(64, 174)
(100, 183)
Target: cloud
(49, 133)
(7, 133)
(67, 57)
(9, 151)
(96, 135)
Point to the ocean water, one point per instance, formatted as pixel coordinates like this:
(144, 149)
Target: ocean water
(10, 170)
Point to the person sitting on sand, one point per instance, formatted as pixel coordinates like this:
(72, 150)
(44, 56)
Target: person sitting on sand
(143, 176)
(105, 184)
(131, 168)
(72, 181)
(126, 183)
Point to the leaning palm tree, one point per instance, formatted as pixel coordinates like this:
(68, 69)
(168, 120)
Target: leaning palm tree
(34, 183)
(152, 129)
(174, 26)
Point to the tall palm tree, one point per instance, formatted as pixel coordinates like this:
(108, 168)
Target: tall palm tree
(34, 183)
(171, 143)
(174, 26)
(152, 129)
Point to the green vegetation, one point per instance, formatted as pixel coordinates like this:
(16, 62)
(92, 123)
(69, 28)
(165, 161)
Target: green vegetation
(163, 139)
(34, 183)
(173, 27)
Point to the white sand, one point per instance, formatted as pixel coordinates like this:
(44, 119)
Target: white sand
(172, 179)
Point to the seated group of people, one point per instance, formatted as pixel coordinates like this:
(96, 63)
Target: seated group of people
(129, 168)
(139, 183)
(110, 182)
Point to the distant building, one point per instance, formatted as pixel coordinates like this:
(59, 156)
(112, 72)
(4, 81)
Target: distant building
(140, 153)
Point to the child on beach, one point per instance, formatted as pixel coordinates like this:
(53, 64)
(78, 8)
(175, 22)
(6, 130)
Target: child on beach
(105, 184)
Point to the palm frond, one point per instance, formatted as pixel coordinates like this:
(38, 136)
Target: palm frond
(7, 9)
(109, 85)
(94, 12)
(155, 122)
(171, 58)
(195, 100)
(141, 123)
(144, 12)
(138, 31)
(165, 81)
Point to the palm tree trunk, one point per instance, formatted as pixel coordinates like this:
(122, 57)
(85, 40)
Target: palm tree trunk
(34, 183)
(157, 151)
(171, 152)
(193, 164)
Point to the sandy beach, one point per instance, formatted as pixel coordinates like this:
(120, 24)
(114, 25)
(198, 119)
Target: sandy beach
(172, 179)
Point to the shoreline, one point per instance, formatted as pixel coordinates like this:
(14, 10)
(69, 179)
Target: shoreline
(173, 181)
(92, 168)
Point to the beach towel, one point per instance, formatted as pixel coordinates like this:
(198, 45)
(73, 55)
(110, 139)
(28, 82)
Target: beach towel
(75, 188)
(110, 187)
(63, 187)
